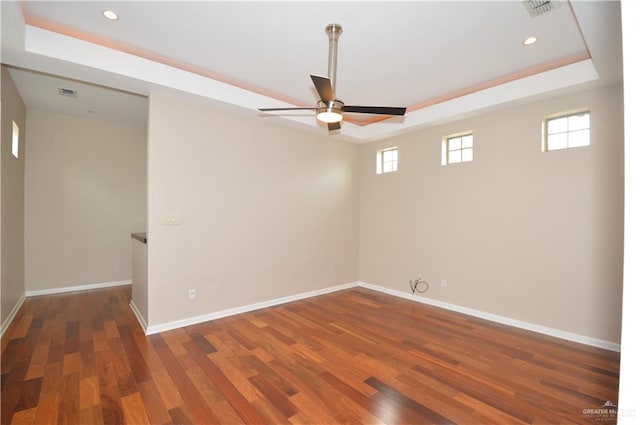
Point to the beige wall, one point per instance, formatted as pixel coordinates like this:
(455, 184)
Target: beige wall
(85, 194)
(267, 211)
(12, 203)
(532, 236)
(140, 287)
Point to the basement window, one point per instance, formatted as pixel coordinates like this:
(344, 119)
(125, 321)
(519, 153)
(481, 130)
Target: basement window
(457, 148)
(15, 140)
(566, 131)
(387, 160)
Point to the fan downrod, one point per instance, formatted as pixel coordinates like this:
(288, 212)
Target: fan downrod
(333, 32)
(329, 109)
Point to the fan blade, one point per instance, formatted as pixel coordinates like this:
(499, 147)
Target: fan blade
(287, 109)
(323, 85)
(382, 110)
(333, 126)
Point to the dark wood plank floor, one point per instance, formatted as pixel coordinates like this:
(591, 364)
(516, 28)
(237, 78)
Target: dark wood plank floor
(351, 357)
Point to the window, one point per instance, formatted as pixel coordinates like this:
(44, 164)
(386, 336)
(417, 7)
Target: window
(566, 131)
(387, 160)
(15, 140)
(457, 148)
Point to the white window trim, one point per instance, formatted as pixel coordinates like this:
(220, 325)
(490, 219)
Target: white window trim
(565, 114)
(15, 140)
(380, 158)
(445, 147)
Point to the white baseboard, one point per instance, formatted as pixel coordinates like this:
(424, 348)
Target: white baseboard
(149, 330)
(12, 315)
(136, 312)
(607, 345)
(243, 309)
(39, 292)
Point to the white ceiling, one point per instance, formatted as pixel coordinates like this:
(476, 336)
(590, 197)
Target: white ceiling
(442, 60)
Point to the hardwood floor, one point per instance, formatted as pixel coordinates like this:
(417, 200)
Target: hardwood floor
(350, 357)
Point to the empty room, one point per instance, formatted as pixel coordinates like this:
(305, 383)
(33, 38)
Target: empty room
(237, 212)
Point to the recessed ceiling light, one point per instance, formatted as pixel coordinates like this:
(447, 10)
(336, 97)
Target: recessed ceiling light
(530, 40)
(110, 14)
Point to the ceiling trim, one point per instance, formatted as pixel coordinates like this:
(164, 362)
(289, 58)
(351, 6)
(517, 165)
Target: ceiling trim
(35, 48)
(142, 53)
(489, 84)
(69, 49)
(544, 82)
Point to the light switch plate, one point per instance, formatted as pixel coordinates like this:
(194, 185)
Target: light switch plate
(171, 220)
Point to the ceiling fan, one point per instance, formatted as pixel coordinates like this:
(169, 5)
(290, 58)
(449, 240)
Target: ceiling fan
(328, 108)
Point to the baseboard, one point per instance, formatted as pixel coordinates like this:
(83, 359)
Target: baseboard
(149, 330)
(39, 292)
(12, 315)
(594, 342)
(136, 312)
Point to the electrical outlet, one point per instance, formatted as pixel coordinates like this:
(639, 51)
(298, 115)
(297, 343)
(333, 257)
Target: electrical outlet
(192, 294)
(216, 289)
(443, 283)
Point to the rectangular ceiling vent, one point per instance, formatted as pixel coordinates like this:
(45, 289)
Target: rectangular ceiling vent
(67, 92)
(538, 7)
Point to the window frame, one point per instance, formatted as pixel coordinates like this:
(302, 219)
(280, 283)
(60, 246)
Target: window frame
(446, 151)
(568, 131)
(15, 140)
(380, 160)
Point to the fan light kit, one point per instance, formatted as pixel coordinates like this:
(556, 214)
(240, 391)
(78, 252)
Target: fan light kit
(329, 109)
(329, 113)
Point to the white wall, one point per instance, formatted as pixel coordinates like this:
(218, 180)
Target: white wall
(267, 211)
(530, 235)
(85, 195)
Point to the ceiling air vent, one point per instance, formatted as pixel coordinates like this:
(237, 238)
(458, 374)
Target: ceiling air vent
(67, 92)
(538, 7)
